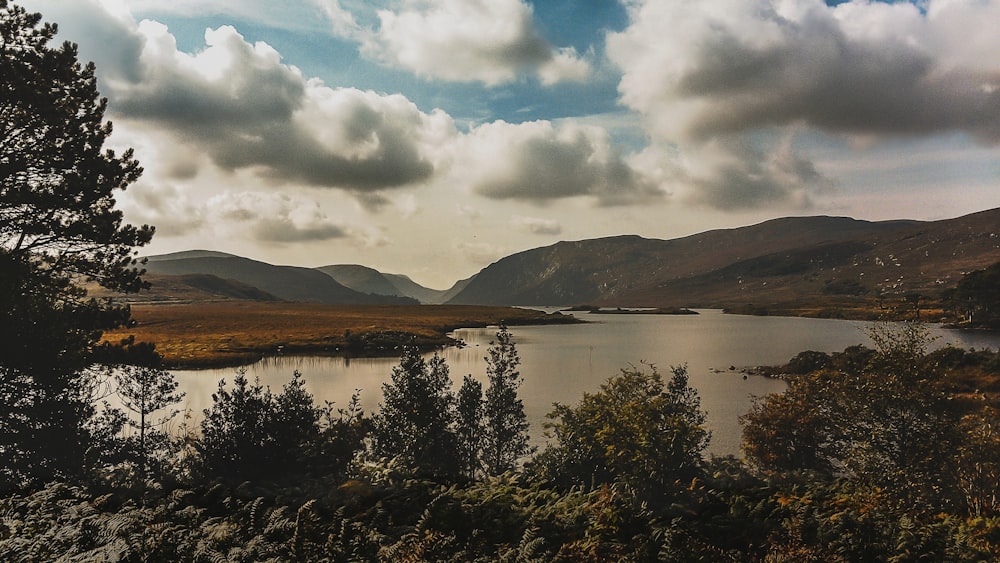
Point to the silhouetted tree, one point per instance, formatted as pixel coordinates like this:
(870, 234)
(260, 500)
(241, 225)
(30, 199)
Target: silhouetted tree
(977, 296)
(58, 226)
(251, 433)
(505, 439)
(415, 424)
(470, 426)
(145, 391)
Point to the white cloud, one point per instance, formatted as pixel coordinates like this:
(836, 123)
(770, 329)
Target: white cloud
(541, 162)
(708, 77)
(237, 103)
(273, 218)
(537, 225)
(489, 41)
(164, 206)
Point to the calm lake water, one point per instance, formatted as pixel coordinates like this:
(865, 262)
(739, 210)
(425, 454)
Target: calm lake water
(561, 362)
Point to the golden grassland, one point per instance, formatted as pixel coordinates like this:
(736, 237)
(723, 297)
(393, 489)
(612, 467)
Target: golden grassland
(235, 332)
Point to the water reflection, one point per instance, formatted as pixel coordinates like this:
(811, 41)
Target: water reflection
(561, 362)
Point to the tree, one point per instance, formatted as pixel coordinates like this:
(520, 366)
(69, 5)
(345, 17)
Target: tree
(636, 430)
(415, 424)
(506, 426)
(145, 390)
(58, 227)
(235, 441)
(869, 422)
(470, 426)
(977, 296)
(251, 433)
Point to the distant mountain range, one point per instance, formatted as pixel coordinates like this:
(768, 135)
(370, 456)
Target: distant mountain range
(370, 280)
(290, 283)
(787, 260)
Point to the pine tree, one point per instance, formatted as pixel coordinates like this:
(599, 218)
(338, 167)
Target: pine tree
(144, 391)
(416, 422)
(505, 439)
(470, 426)
(58, 226)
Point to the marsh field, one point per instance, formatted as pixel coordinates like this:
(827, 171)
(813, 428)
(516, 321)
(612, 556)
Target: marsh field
(233, 333)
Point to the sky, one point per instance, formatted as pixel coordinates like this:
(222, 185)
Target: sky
(433, 137)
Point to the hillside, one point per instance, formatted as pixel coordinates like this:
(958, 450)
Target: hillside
(917, 259)
(788, 261)
(826, 264)
(188, 288)
(361, 278)
(370, 280)
(610, 269)
(285, 282)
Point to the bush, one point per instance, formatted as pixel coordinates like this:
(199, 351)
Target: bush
(636, 430)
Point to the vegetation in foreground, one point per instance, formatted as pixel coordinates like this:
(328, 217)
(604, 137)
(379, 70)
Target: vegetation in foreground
(888, 454)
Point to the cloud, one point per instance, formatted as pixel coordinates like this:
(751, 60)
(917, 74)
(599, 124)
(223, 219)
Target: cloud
(240, 105)
(541, 162)
(537, 225)
(734, 68)
(488, 41)
(273, 218)
(164, 206)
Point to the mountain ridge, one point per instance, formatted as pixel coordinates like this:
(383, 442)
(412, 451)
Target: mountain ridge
(832, 259)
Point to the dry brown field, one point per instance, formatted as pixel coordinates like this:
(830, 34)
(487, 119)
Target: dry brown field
(236, 332)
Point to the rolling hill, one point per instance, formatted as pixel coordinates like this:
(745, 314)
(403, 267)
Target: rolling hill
(834, 262)
(783, 261)
(290, 283)
(370, 280)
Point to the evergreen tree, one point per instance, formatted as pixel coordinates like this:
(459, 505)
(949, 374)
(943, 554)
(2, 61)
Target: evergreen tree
(58, 226)
(470, 426)
(235, 442)
(416, 422)
(144, 391)
(505, 439)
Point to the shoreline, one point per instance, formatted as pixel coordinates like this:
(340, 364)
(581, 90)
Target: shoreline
(231, 334)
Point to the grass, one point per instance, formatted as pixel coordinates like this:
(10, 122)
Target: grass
(233, 333)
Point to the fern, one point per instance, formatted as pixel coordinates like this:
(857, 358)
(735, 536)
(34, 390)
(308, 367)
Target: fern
(303, 521)
(532, 546)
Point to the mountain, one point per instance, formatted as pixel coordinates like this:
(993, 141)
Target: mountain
(370, 280)
(782, 260)
(361, 278)
(285, 282)
(457, 288)
(187, 288)
(415, 290)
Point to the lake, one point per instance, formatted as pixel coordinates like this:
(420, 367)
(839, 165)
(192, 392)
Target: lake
(561, 362)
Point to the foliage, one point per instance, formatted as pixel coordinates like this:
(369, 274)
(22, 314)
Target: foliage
(58, 225)
(505, 437)
(470, 426)
(250, 433)
(977, 296)
(872, 424)
(144, 391)
(416, 421)
(636, 430)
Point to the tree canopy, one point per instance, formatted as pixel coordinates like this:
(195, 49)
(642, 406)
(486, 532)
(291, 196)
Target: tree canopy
(58, 228)
(636, 430)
